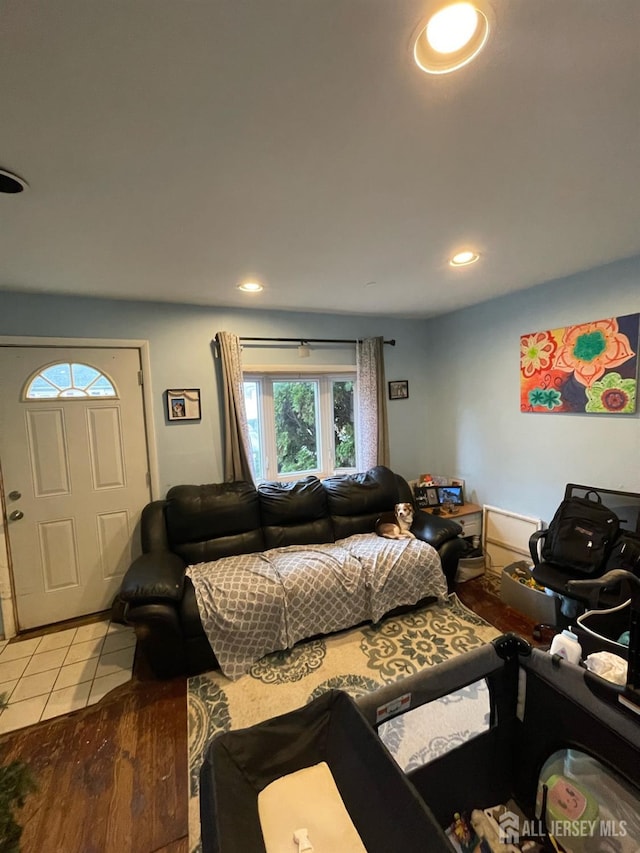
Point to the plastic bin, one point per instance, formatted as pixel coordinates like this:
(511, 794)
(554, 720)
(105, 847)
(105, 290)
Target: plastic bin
(533, 603)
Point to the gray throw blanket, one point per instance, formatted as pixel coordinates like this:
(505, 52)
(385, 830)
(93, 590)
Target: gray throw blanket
(254, 604)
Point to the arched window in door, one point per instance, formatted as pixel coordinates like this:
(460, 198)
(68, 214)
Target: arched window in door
(65, 379)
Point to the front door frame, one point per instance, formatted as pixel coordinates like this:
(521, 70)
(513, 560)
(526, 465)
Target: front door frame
(7, 595)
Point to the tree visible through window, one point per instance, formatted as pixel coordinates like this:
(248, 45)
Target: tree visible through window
(344, 424)
(296, 424)
(300, 425)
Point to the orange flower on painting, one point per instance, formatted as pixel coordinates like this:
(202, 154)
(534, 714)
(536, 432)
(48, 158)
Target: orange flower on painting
(536, 352)
(591, 348)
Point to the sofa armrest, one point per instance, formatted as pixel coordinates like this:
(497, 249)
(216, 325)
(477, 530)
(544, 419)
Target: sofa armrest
(160, 637)
(154, 577)
(434, 529)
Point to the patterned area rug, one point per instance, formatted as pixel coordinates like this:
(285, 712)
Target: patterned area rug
(358, 661)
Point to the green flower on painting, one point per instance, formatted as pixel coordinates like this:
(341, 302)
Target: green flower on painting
(612, 393)
(589, 346)
(547, 397)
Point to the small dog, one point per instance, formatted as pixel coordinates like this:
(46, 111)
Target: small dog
(396, 525)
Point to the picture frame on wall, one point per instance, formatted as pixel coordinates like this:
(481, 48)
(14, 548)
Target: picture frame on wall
(183, 404)
(399, 389)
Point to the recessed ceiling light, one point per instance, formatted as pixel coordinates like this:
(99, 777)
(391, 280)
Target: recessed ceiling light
(250, 287)
(451, 38)
(463, 259)
(452, 27)
(10, 183)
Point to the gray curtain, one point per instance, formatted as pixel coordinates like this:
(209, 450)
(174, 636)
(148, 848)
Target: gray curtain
(373, 445)
(237, 447)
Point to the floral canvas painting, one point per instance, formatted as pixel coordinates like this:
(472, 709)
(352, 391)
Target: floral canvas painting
(591, 367)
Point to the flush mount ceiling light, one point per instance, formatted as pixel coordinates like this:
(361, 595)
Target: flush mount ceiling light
(10, 183)
(250, 287)
(463, 259)
(451, 38)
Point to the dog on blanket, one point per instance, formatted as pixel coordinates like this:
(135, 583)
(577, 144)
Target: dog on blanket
(396, 524)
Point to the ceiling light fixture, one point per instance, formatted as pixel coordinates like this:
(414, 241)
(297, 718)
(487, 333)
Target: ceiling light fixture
(463, 259)
(451, 38)
(10, 183)
(304, 350)
(250, 287)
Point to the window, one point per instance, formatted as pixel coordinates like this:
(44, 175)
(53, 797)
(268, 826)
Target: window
(69, 380)
(301, 424)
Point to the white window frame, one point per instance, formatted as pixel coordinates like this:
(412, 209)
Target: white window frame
(62, 396)
(264, 377)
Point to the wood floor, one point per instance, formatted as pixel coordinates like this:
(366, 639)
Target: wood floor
(113, 777)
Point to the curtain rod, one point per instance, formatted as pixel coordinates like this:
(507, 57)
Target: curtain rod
(391, 343)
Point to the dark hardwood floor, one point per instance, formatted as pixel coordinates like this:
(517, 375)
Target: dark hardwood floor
(113, 777)
(482, 595)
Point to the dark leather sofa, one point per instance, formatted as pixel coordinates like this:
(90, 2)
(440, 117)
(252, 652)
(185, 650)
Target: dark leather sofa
(204, 523)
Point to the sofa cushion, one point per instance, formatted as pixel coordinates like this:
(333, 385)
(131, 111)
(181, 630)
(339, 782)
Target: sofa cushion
(357, 500)
(294, 513)
(214, 520)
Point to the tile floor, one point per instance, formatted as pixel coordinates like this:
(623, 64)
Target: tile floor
(61, 672)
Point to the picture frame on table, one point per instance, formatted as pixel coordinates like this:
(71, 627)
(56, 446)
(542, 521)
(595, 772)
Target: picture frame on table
(432, 497)
(399, 389)
(183, 404)
(450, 495)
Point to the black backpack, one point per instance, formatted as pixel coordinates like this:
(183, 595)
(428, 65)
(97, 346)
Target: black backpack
(581, 535)
(625, 552)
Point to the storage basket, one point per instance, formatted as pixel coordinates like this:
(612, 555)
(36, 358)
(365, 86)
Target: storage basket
(599, 630)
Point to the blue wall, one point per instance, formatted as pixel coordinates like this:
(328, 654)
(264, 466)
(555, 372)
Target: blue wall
(462, 416)
(181, 357)
(521, 461)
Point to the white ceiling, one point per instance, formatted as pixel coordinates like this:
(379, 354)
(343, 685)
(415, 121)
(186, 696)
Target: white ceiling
(175, 147)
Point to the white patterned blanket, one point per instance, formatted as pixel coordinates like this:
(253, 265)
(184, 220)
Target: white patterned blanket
(254, 604)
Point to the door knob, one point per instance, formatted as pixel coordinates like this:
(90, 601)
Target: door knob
(16, 515)
(14, 495)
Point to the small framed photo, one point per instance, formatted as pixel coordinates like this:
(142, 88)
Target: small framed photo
(399, 389)
(450, 495)
(183, 405)
(432, 497)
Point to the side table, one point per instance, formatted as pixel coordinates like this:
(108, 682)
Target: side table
(468, 516)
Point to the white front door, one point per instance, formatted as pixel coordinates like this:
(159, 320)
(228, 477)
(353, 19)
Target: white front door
(75, 475)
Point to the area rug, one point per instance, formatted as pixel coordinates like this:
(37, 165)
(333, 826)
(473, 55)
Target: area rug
(358, 661)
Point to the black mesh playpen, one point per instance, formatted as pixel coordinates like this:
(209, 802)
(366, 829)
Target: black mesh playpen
(549, 720)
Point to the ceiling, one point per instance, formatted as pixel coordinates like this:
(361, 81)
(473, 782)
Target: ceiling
(174, 148)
